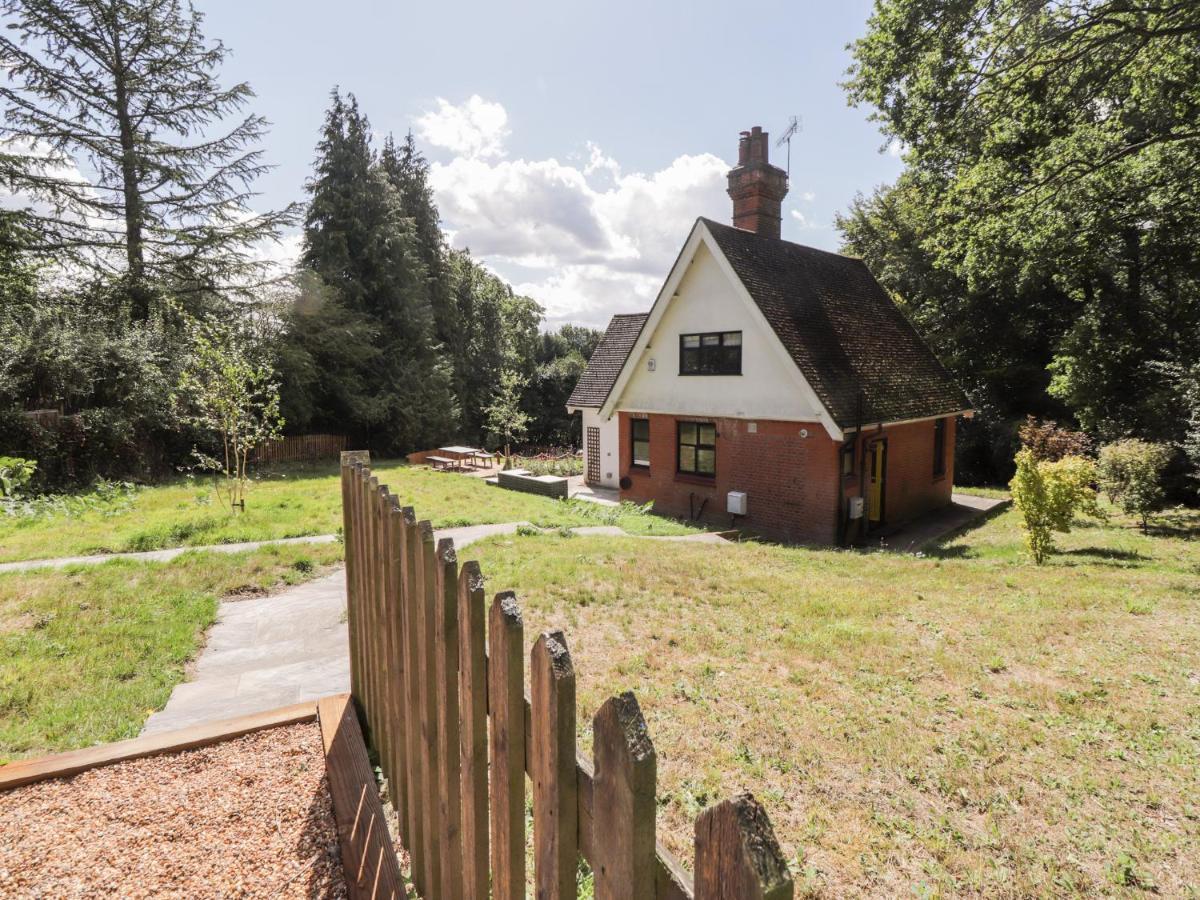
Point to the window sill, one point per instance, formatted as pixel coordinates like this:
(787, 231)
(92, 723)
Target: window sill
(686, 478)
(643, 471)
(937, 478)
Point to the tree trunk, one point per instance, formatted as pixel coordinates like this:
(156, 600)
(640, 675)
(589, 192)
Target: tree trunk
(139, 294)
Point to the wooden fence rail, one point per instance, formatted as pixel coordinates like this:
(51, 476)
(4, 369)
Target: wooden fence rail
(298, 447)
(432, 667)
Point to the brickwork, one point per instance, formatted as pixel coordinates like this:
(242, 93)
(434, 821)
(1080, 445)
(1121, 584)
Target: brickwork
(792, 483)
(756, 187)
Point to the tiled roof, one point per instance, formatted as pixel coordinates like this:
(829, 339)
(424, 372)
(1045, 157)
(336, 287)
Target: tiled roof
(842, 330)
(607, 360)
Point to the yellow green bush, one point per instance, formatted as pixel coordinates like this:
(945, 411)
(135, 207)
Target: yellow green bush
(1049, 494)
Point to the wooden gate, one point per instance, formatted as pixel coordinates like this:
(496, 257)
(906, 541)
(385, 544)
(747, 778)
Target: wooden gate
(593, 455)
(432, 664)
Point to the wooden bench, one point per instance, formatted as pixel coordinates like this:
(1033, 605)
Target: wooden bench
(443, 462)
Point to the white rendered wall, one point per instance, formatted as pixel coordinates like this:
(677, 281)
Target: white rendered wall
(707, 301)
(610, 455)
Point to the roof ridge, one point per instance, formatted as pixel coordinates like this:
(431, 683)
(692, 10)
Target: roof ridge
(755, 235)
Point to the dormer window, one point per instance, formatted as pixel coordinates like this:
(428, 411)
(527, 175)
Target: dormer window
(714, 353)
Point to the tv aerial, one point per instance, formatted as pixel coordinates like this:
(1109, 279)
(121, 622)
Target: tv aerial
(791, 131)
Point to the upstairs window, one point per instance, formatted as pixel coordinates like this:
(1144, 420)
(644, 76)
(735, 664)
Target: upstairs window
(639, 431)
(939, 448)
(697, 448)
(716, 353)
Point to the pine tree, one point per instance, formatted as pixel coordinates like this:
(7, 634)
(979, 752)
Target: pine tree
(127, 92)
(407, 171)
(358, 239)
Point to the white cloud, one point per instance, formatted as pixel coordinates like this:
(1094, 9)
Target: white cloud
(897, 147)
(584, 238)
(475, 129)
(805, 221)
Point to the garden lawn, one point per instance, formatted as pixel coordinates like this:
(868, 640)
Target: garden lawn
(290, 502)
(959, 723)
(87, 653)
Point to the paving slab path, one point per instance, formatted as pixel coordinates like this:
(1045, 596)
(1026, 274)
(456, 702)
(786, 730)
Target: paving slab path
(266, 652)
(167, 555)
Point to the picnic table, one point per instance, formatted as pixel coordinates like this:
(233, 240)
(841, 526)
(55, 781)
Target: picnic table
(454, 457)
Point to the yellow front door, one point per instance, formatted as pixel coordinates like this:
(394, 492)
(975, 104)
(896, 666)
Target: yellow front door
(875, 495)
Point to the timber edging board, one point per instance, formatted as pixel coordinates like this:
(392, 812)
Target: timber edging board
(60, 765)
(369, 862)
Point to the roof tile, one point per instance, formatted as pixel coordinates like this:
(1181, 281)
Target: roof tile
(842, 330)
(607, 360)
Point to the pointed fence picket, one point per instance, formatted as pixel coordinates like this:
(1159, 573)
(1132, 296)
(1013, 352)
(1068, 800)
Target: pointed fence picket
(438, 678)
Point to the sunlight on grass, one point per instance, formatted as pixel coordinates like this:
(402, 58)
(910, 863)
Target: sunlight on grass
(961, 722)
(87, 653)
(293, 502)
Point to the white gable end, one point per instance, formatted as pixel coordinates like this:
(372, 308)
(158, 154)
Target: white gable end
(702, 296)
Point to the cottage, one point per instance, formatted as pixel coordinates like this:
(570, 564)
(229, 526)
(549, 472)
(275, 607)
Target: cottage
(771, 386)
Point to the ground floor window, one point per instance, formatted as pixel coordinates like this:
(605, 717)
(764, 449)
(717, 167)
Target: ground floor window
(639, 430)
(697, 448)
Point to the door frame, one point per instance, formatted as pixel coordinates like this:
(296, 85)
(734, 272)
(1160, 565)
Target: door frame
(879, 445)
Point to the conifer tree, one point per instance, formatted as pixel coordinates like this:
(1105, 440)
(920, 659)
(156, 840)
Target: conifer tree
(358, 239)
(115, 125)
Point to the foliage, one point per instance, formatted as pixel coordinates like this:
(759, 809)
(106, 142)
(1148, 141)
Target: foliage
(1042, 234)
(1130, 472)
(15, 474)
(560, 361)
(562, 465)
(102, 500)
(227, 391)
(1048, 441)
(104, 381)
(504, 417)
(1049, 494)
(361, 243)
(129, 94)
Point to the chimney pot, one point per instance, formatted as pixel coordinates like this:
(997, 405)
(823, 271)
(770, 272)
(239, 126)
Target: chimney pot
(756, 187)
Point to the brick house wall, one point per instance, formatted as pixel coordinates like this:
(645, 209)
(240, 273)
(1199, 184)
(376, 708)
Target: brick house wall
(911, 488)
(791, 481)
(794, 484)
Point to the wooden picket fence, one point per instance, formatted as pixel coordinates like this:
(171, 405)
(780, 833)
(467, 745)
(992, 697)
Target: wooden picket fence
(297, 447)
(433, 666)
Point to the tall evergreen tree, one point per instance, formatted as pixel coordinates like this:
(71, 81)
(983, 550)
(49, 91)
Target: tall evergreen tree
(115, 122)
(362, 245)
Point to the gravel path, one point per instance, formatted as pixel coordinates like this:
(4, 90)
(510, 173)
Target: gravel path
(249, 817)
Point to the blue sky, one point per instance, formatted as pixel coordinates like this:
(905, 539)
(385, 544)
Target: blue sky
(573, 144)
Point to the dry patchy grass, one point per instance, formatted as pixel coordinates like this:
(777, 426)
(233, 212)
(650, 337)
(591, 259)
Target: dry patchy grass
(962, 723)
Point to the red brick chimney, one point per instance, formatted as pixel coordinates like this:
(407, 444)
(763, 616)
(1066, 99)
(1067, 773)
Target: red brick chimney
(756, 187)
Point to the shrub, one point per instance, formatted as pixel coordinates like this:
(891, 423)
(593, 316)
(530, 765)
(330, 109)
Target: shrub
(1048, 441)
(1049, 494)
(1130, 473)
(15, 474)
